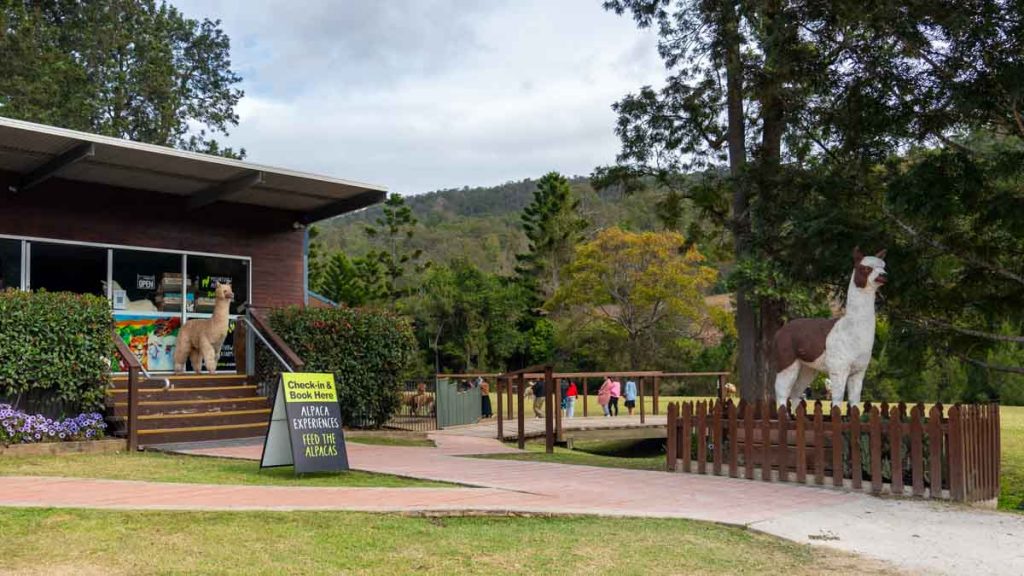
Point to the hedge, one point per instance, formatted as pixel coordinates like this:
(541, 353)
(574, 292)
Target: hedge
(368, 351)
(55, 347)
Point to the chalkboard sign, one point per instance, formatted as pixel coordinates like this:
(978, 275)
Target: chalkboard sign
(305, 427)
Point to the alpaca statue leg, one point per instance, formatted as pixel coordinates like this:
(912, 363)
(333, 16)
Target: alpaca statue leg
(855, 383)
(209, 357)
(197, 361)
(802, 382)
(784, 382)
(838, 378)
(181, 351)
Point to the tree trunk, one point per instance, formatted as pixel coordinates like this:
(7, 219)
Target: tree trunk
(746, 321)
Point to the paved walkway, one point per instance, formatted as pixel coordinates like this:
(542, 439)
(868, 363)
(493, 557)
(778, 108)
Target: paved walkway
(912, 535)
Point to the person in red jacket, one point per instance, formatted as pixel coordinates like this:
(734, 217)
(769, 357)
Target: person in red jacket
(570, 399)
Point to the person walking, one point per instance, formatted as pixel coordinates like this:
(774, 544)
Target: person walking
(485, 399)
(604, 395)
(570, 399)
(630, 394)
(538, 398)
(613, 402)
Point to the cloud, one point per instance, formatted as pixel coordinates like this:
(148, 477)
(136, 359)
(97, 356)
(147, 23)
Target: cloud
(419, 95)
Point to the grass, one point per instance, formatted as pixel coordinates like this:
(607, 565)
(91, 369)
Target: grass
(369, 438)
(1011, 480)
(157, 467)
(62, 541)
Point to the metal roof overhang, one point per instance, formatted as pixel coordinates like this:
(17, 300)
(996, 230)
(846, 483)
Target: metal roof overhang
(36, 153)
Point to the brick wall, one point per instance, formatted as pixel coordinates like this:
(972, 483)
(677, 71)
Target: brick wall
(67, 210)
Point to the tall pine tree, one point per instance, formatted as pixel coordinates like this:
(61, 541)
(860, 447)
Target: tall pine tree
(553, 226)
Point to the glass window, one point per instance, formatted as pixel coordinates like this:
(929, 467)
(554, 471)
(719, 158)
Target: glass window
(150, 281)
(146, 294)
(10, 264)
(206, 271)
(68, 268)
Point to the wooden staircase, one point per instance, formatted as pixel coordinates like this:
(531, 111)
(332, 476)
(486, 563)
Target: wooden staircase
(195, 408)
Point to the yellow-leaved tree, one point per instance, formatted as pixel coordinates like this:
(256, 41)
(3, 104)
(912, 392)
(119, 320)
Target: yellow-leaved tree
(637, 282)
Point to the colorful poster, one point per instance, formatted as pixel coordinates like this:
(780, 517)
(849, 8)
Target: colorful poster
(153, 340)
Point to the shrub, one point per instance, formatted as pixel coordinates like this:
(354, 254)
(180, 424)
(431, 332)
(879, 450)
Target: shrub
(368, 351)
(55, 345)
(17, 427)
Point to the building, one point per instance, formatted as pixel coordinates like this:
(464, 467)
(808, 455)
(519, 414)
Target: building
(153, 229)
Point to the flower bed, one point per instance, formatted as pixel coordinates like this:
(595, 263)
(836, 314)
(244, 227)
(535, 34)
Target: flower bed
(17, 427)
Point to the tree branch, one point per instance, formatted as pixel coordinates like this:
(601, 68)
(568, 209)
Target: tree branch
(994, 268)
(987, 366)
(926, 324)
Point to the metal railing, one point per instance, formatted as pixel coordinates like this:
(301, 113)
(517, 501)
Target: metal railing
(265, 374)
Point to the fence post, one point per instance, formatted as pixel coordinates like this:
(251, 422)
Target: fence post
(819, 445)
(896, 450)
(782, 450)
(702, 442)
(875, 424)
(956, 454)
(133, 409)
(559, 435)
(640, 384)
(916, 445)
(837, 446)
(748, 440)
(766, 440)
(935, 451)
(716, 438)
(549, 429)
(656, 394)
(508, 395)
(801, 442)
(856, 467)
(521, 396)
(733, 460)
(671, 436)
(686, 448)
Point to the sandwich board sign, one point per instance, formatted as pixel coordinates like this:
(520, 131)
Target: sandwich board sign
(305, 426)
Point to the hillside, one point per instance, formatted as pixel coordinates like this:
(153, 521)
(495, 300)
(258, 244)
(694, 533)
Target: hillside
(482, 224)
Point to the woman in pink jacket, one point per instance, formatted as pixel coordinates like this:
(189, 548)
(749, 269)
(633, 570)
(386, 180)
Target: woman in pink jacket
(604, 395)
(613, 402)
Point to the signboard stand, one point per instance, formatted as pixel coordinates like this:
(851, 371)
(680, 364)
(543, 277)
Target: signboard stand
(305, 426)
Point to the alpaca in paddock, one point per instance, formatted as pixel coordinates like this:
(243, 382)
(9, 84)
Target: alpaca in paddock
(201, 340)
(840, 347)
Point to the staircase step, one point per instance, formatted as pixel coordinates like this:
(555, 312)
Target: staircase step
(200, 433)
(185, 381)
(167, 421)
(198, 393)
(120, 408)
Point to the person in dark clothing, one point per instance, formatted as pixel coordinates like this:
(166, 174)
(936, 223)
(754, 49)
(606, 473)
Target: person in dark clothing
(485, 399)
(538, 399)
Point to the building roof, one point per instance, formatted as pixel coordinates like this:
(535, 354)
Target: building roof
(36, 153)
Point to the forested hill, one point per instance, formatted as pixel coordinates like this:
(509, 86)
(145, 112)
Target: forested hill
(482, 224)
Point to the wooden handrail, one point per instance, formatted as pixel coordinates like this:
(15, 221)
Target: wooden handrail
(261, 323)
(134, 366)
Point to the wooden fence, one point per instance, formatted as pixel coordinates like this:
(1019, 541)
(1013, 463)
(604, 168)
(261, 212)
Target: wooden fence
(939, 453)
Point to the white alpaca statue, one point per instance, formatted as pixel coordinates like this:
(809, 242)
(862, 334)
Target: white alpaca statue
(840, 347)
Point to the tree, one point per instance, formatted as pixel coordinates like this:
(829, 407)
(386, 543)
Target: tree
(469, 319)
(636, 282)
(353, 282)
(135, 69)
(772, 94)
(395, 228)
(553, 227)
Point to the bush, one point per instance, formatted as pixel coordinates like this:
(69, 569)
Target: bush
(17, 427)
(368, 351)
(56, 346)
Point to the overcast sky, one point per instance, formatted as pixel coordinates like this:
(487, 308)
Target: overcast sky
(419, 95)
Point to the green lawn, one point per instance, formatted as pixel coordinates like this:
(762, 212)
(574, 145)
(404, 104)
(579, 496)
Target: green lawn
(62, 541)
(158, 467)
(1011, 481)
(369, 438)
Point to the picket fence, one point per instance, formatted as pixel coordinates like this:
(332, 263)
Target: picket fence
(949, 453)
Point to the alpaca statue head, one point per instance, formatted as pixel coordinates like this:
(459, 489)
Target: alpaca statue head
(869, 271)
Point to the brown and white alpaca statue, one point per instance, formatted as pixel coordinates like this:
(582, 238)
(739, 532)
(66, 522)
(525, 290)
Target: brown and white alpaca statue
(201, 340)
(840, 347)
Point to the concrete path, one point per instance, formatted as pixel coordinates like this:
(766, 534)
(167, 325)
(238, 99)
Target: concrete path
(912, 535)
